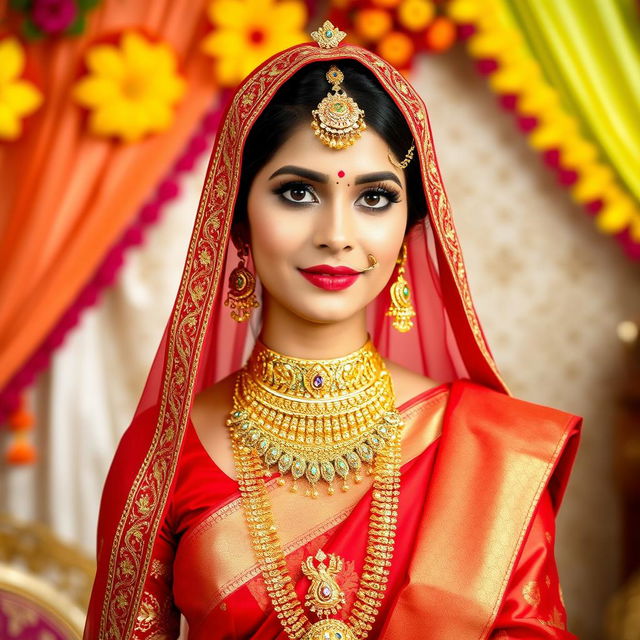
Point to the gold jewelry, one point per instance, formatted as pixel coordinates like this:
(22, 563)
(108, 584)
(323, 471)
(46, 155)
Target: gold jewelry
(407, 158)
(242, 285)
(271, 559)
(317, 419)
(401, 308)
(338, 120)
(373, 263)
(328, 36)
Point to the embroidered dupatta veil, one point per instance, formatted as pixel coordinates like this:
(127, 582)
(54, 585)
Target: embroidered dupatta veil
(201, 344)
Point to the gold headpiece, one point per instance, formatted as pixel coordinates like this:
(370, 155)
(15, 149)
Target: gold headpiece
(407, 158)
(328, 36)
(338, 121)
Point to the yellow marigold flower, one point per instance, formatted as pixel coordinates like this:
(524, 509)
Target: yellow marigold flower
(18, 98)
(131, 89)
(616, 216)
(247, 32)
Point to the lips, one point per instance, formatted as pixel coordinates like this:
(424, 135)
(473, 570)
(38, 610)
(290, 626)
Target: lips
(329, 278)
(327, 269)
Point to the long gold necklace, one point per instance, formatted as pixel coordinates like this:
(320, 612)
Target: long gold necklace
(324, 596)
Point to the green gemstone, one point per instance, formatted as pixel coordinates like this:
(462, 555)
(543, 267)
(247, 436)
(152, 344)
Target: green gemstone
(298, 469)
(353, 460)
(284, 464)
(313, 472)
(272, 455)
(239, 282)
(405, 292)
(329, 34)
(328, 471)
(342, 468)
(262, 445)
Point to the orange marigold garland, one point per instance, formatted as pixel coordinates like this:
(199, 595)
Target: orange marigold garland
(396, 29)
(21, 450)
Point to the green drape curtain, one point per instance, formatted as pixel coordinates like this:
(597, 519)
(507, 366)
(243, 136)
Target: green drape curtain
(589, 51)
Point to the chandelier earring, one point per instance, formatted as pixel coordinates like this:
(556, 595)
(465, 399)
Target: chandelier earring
(401, 308)
(241, 297)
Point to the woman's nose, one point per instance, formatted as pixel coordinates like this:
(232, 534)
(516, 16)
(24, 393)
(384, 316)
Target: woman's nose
(335, 228)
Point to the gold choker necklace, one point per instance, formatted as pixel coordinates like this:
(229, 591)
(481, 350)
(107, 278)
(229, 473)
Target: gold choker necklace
(317, 419)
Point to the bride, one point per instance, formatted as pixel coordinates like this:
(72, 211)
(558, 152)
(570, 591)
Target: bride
(348, 463)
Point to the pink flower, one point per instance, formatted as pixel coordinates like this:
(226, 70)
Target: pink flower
(53, 16)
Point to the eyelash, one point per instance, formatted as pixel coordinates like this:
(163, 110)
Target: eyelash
(391, 195)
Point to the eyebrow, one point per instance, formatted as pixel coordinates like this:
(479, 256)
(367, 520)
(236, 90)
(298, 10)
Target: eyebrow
(316, 176)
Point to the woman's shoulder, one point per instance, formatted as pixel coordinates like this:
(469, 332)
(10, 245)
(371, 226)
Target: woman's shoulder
(217, 399)
(408, 384)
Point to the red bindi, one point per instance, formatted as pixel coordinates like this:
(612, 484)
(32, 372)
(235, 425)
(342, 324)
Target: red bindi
(341, 174)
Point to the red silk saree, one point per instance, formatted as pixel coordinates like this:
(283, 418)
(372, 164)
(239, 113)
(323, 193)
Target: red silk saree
(483, 568)
(483, 473)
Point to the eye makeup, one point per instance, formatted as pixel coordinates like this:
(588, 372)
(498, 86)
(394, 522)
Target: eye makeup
(309, 196)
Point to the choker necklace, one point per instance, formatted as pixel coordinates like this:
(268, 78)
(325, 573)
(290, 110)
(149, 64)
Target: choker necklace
(310, 409)
(316, 419)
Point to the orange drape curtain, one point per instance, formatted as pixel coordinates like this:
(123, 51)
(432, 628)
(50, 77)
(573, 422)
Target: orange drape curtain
(67, 196)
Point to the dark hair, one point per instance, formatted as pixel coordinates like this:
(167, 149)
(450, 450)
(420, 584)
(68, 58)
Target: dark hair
(292, 106)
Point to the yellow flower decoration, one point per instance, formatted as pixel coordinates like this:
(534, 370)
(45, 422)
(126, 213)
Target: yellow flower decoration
(18, 98)
(131, 89)
(247, 32)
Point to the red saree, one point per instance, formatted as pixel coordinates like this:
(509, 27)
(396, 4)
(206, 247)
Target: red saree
(483, 473)
(481, 568)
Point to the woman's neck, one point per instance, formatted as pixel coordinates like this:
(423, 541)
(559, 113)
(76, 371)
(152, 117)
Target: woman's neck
(288, 334)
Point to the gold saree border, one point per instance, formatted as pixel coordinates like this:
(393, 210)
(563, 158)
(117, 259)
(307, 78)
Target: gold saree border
(138, 526)
(508, 450)
(306, 519)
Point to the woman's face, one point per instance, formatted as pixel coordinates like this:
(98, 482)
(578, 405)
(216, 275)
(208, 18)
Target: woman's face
(312, 207)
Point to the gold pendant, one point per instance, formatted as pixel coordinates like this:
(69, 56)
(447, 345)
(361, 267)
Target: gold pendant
(324, 595)
(329, 630)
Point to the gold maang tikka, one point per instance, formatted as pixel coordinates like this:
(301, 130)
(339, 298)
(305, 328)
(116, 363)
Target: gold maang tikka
(241, 297)
(401, 308)
(338, 120)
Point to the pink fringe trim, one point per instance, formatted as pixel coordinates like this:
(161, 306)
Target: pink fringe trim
(106, 274)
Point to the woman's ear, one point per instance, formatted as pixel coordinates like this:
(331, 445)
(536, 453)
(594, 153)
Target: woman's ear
(240, 236)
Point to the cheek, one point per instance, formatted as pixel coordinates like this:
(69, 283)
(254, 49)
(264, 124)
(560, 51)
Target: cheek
(384, 240)
(275, 237)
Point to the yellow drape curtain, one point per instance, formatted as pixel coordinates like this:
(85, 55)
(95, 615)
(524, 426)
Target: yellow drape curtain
(569, 70)
(66, 196)
(589, 50)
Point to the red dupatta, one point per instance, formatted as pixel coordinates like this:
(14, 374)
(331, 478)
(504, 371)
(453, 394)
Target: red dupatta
(201, 344)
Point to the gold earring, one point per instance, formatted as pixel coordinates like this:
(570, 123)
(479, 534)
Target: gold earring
(401, 308)
(241, 297)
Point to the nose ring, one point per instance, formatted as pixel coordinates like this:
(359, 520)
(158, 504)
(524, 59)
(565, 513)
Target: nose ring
(373, 263)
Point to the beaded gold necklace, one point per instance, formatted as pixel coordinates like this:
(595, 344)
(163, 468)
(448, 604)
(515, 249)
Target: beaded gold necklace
(270, 392)
(317, 419)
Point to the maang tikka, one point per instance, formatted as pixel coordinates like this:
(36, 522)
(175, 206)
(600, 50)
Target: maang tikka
(241, 297)
(338, 120)
(401, 308)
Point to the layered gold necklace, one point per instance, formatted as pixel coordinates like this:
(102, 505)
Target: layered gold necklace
(320, 420)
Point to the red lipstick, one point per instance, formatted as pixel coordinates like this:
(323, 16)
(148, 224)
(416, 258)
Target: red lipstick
(329, 278)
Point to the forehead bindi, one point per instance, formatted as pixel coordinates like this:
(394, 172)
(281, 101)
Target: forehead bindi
(341, 174)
